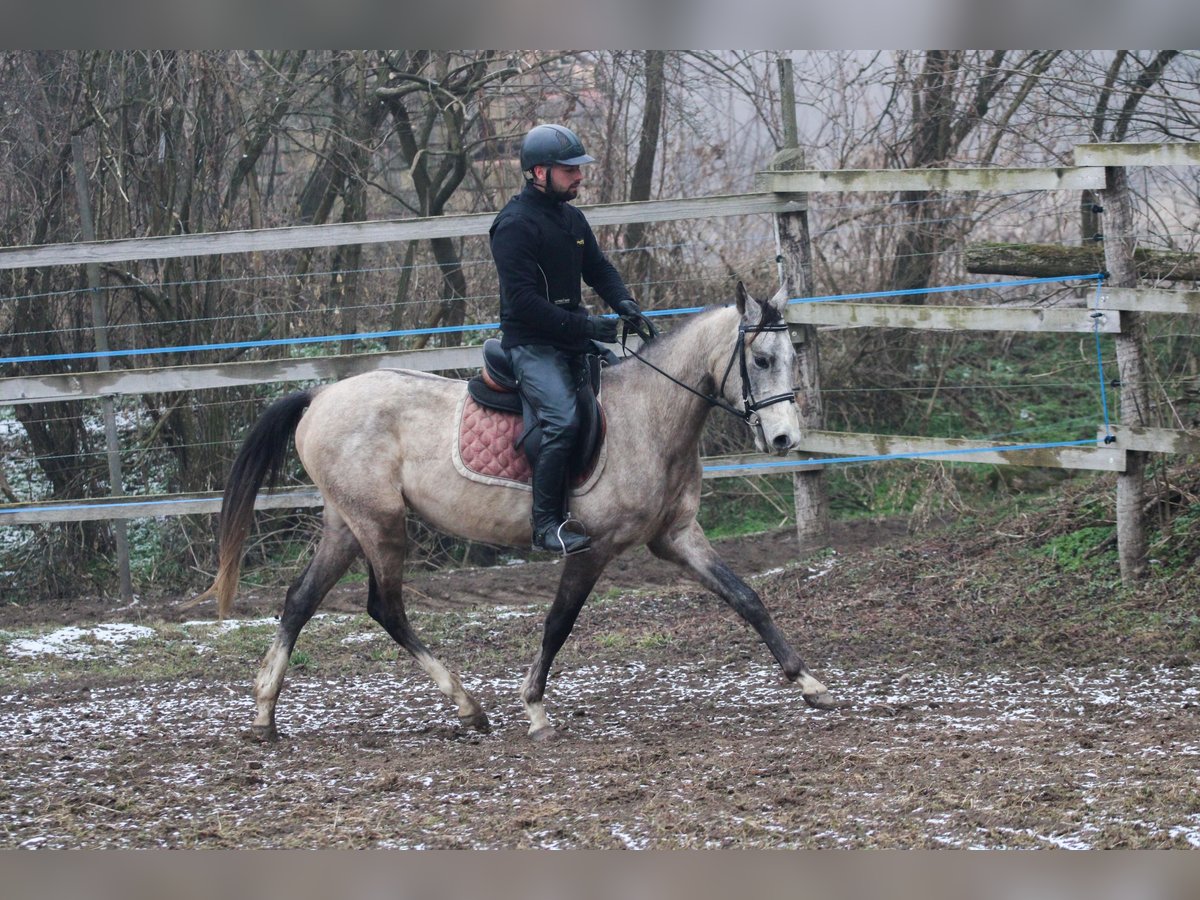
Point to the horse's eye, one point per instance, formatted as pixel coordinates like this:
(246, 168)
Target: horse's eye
(763, 362)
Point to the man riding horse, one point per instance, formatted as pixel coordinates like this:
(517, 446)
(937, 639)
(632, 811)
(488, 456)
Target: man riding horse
(543, 246)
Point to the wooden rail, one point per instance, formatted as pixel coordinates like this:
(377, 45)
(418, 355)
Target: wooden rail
(950, 318)
(1107, 458)
(1102, 458)
(780, 192)
(299, 237)
(1181, 153)
(1150, 300)
(812, 182)
(89, 385)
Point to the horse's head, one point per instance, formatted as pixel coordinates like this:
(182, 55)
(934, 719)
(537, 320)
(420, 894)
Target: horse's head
(768, 370)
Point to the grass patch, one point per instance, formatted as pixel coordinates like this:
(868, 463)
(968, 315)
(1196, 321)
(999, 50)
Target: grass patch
(159, 652)
(613, 640)
(620, 642)
(331, 644)
(1083, 547)
(749, 506)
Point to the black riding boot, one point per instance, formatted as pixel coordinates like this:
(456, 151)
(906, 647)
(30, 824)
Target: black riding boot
(551, 529)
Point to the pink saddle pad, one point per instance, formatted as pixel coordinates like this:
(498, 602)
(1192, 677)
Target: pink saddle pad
(486, 445)
(486, 439)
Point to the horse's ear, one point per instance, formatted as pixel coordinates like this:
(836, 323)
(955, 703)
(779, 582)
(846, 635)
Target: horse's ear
(742, 297)
(779, 301)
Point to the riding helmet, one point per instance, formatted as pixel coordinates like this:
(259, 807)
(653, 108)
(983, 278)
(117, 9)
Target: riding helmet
(547, 144)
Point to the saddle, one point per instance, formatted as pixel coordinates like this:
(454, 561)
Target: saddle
(499, 436)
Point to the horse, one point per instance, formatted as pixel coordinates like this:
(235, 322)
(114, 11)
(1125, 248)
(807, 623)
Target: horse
(379, 446)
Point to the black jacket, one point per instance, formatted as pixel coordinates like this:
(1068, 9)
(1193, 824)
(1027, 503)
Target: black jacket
(542, 247)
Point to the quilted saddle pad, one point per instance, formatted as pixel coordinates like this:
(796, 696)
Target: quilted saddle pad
(485, 448)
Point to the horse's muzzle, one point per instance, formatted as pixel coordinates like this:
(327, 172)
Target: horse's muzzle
(776, 443)
(781, 444)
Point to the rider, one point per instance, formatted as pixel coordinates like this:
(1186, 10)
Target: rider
(542, 247)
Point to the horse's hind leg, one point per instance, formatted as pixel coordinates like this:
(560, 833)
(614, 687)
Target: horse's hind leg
(578, 578)
(336, 550)
(386, 606)
(690, 548)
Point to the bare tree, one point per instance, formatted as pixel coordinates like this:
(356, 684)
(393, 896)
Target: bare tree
(952, 97)
(434, 101)
(1126, 75)
(641, 181)
(193, 141)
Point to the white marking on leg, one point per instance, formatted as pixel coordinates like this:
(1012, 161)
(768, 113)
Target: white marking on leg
(449, 685)
(537, 716)
(535, 710)
(269, 682)
(810, 687)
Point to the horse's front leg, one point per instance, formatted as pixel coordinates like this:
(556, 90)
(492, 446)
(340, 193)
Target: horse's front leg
(690, 548)
(579, 576)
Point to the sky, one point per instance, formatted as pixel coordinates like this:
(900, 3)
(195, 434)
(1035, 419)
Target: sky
(612, 24)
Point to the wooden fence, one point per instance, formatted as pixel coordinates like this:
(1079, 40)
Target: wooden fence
(782, 194)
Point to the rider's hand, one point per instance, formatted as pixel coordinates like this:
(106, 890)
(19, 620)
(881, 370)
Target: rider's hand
(631, 314)
(601, 329)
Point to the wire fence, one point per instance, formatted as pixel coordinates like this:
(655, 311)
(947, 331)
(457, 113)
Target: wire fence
(274, 305)
(94, 458)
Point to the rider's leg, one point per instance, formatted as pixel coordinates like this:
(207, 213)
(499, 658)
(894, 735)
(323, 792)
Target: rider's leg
(547, 384)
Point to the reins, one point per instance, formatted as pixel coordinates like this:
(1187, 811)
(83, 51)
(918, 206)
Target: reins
(750, 406)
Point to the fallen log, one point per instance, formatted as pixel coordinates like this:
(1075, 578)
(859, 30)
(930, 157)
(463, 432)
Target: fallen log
(1055, 260)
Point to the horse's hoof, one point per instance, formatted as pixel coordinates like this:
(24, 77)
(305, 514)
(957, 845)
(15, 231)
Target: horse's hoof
(478, 721)
(822, 700)
(544, 734)
(261, 734)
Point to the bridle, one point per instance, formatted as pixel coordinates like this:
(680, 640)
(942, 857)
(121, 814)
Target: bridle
(750, 406)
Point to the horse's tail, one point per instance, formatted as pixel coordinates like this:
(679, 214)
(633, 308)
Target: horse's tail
(259, 460)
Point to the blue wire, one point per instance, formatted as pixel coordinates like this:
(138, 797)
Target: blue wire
(866, 295)
(448, 329)
(1098, 277)
(236, 345)
(946, 288)
(916, 454)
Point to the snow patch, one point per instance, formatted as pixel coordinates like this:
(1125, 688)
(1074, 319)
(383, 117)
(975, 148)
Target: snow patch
(74, 642)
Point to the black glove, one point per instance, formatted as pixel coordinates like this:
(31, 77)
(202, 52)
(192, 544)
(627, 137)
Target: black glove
(632, 316)
(601, 329)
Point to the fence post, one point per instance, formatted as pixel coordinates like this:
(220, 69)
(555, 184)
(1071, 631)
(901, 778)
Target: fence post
(794, 256)
(100, 329)
(1119, 242)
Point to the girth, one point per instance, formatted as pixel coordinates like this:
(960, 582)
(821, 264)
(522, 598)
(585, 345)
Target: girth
(496, 387)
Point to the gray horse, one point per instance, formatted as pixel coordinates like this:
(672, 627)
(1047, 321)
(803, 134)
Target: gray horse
(381, 445)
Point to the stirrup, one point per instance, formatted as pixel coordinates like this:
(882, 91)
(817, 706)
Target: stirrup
(556, 539)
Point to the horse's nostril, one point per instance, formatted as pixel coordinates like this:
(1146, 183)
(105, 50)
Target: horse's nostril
(781, 442)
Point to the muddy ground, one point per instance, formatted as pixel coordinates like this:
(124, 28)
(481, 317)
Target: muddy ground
(985, 706)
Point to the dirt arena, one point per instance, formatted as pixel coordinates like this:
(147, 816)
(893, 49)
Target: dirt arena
(995, 717)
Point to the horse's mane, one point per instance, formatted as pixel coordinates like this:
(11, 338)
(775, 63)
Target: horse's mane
(657, 351)
(663, 343)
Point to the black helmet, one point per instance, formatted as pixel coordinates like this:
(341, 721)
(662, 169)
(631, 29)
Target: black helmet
(546, 144)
